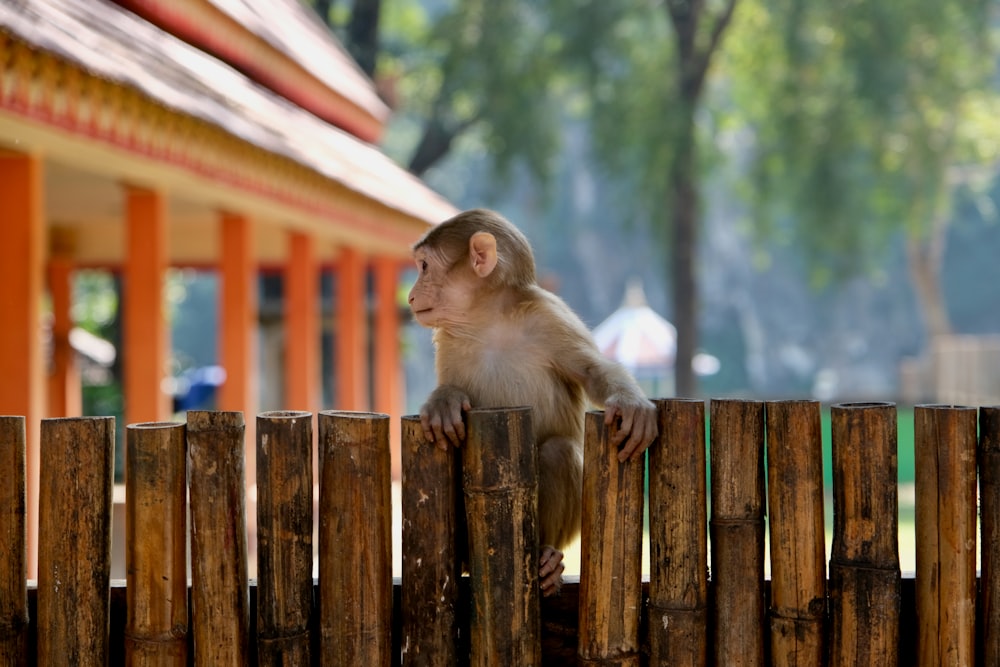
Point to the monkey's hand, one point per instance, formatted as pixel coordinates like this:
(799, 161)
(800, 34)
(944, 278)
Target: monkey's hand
(638, 427)
(441, 416)
(550, 571)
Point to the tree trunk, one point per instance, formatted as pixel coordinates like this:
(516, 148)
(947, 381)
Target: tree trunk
(687, 216)
(924, 257)
(695, 47)
(362, 33)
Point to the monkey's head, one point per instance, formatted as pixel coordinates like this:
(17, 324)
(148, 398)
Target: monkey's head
(465, 259)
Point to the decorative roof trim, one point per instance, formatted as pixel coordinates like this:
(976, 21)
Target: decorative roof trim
(315, 72)
(45, 88)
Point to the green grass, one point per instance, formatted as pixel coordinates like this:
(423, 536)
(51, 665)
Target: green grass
(904, 447)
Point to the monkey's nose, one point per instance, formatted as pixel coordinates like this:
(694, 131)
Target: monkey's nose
(410, 299)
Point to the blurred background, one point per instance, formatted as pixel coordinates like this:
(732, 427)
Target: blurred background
(808, 196)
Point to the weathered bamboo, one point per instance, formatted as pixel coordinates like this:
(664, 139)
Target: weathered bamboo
(500, 480)
(611, 550)
(864, 560)
(13, 555)
(220, 613)
(431, 562)
(798, 550)
(355, 539)
(945, 467)
(156, 544)
(989, 498)
(284, 537)
(736, 531)
(74, 540)
(678, 537)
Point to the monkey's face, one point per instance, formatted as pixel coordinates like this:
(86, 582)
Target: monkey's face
(440, 297)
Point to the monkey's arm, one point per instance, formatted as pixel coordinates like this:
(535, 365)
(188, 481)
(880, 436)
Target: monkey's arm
(441, 415)
(609, 384)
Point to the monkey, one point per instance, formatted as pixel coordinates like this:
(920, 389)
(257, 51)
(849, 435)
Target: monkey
(501, 340)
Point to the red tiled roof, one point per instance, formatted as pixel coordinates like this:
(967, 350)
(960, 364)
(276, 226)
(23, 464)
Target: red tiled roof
(117, 45)
(282, 45)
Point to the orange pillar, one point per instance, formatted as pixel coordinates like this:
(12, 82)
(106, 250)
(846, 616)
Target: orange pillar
(65, 393)
(238, 309)
(22, 391)
(145, 334)
(351, 354)
(238, 329)
(301, 324)
(388, 380)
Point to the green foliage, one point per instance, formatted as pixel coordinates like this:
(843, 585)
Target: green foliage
(476, 64)
(95, 302)
(860, 111)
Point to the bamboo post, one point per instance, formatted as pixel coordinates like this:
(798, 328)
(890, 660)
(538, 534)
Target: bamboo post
(678, 537)
(737, 531)
(611, 550)
(431, 562)
(284, 537)
(74, 540)
(156, 544)
(219, 586)
(864, 560)
(945, 466)
(798, 549)
(13, 546)
(355, 539)
(499, 476)
(989, 495)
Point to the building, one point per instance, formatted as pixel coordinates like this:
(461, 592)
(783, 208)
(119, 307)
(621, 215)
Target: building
(231, 135)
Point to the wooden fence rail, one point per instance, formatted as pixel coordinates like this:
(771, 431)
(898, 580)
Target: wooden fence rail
(473, 509)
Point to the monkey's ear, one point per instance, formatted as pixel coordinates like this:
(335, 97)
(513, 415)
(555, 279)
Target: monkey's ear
(483, 253)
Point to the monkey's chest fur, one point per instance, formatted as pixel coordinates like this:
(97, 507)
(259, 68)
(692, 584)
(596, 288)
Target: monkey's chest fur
(507, 367)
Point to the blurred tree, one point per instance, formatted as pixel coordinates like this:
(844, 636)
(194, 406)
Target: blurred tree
(479, 64)
(866, 115)
(860, 117)
(503, 67)
(647, 66)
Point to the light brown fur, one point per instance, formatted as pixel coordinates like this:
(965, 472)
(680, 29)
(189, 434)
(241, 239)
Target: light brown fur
(501, 340)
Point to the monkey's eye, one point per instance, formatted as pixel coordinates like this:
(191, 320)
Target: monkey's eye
(422, 265)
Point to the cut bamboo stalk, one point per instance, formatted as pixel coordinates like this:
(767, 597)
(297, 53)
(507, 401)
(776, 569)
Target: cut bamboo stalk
(74, 540)
(431, 501)
(355, 539)
(989, 494)
(945, 466)
(500, 481)
(611, 549)
(737, 531)
(798, 549)
(156, 626)
(678, 536)
(864, 561)
(13, 545)
(219, 587)
(284, 537)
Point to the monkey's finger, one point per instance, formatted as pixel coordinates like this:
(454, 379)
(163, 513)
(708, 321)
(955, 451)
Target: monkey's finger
(642, 437)
(458, 426)
(435, 430)
(552, 585)
(627, 451)
(550, 560)
(633, 448)
(550, 572)
(425, 426)
(611, 413)
(453, 433)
